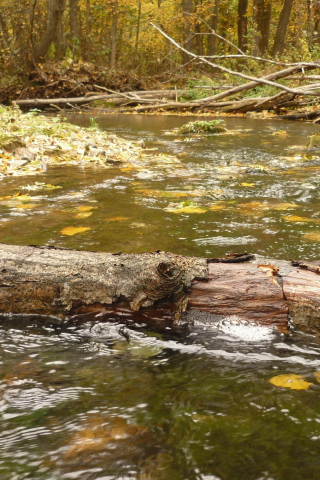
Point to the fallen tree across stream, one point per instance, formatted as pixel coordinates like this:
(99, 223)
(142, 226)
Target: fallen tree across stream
(158, 289)
(138, 101)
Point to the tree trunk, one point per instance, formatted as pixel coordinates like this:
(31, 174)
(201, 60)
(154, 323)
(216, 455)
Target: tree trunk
(5, 40)
(138, 30)
(199, 39)
(88, 30)
(74, 22)
(262, 18)
(114, 35)
(188, 44)
(213, 22)
(157, 288)
(316, 16)
(242, 24)
(309, 24)
(57, 10)
(279, 41)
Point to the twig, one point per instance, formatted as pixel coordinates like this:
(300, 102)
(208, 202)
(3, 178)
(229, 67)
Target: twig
(119, 93)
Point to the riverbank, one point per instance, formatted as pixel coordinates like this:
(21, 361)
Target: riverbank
(30, 142)
(87, 87)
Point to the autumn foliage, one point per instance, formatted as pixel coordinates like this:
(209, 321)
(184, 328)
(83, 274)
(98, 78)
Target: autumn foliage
(117, 33)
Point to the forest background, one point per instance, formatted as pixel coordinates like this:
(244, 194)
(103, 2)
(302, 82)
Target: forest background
(117, 35)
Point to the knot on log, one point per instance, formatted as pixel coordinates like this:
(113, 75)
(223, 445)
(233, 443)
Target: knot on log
(166, 280)
(168, 270)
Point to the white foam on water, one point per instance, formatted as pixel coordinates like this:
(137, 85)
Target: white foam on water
(226, 240)
(239, 329)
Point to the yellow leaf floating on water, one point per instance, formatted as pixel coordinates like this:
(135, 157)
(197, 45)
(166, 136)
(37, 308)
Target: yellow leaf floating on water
(295, 218)
(83, 208)
(26, 206)
(73, 230)
(244, 184)
(117, 219)
(21, 197)
(51, 187)
(295, 382)
(283, 206)
(83, 215)
(176, 194)
(189, 209)
(312, 236)
(217, 207)
(317, 375)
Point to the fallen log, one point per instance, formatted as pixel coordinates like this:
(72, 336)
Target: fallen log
(111, 97)
(301, 115)
(250, 85)
(158, 289)
(211, 106)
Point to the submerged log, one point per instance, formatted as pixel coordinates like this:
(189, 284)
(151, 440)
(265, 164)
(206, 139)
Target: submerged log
(158, 289)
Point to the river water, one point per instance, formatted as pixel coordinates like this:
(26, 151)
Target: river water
(104, 401)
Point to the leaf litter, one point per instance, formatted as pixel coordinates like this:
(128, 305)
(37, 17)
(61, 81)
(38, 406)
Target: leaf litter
(29, 142)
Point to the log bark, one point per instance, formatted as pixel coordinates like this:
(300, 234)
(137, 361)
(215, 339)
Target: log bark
(39, 102)
(158, 289)
(302, 288)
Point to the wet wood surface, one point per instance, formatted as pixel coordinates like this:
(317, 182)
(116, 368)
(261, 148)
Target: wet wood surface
(302, 292)
(158, 289)
(245, 291)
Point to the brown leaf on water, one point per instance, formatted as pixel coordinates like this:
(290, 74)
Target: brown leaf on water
(295, 382)
(73, 230)
(106, 434)
(282, 133)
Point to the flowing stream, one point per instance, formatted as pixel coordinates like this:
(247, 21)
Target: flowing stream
(103, 401)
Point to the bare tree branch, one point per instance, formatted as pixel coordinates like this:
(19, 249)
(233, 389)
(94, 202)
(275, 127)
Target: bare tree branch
(257, 81)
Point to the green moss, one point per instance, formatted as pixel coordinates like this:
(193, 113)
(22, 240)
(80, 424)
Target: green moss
(202, 127)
